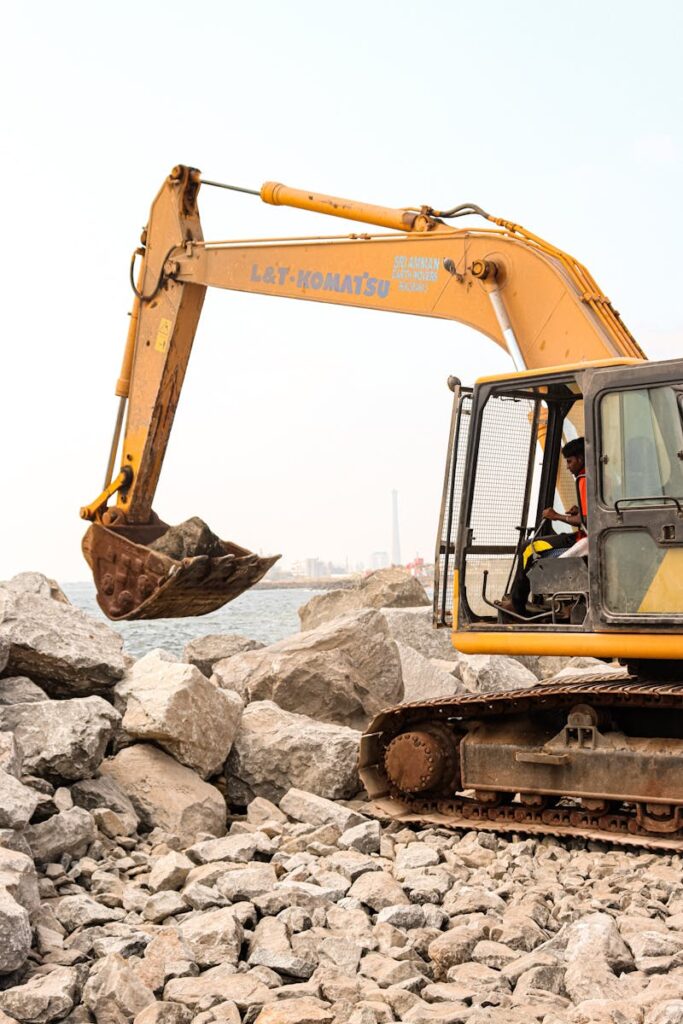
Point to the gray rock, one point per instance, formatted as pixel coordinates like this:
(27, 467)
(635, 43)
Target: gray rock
(491, 673)
(62, 739)
(594, 952)
(67, 832)
(17, 802)
(385, 588)
(166, 1013)
(188, 539)
(219, 984)
(316, 810)
(377, 890)
(344, 672)
(413, 627)
(18, 878)
(10, 755)
(163, 905)
(247, 883)
(214, 937)
(66, 651)
(82, 912)
(204, 651)
(44, 998)
(165, 794)
(19, 690)
(105, 792)
(114, 994)
(169, 872)
(275, 750)
(239, 848)
(35, 583)
(364, 837)
(15, 935)
(174, 705)
(426, 678)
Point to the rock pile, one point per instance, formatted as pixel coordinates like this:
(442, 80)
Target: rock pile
(183, 840)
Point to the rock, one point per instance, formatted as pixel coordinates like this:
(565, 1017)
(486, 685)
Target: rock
(491, 673)
(218, 984)
(188, 539)
(82, 912)
(423, 678)
(239, 848)
(67, 832)
(670, 1012)
(413, 627)
(63, 739)
(344, 672)
(17, 802)
(377, 890)
(113, 993)
(275, 750)
(163, 905)
(261, 811)
(19, 690)
(453, 947)
(66, 651)
(165, 794)
(269, 947)
(164, 1013)
(364, 837)
(214, 937)
(44, 998)
(594, 952)
(18, 879)
(10, 755)
(105, 792)
(204, 651)
(15, 935)
(174, 705)
(166, 947)
(35, 583)
(316, 810)
(247, 883)
(305, 1010)
(169, 872)
(385, 588)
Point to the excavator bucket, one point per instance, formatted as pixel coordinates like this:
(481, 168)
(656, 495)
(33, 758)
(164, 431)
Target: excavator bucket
(136, 582)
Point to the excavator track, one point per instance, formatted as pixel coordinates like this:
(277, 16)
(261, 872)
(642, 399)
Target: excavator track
(564, 816)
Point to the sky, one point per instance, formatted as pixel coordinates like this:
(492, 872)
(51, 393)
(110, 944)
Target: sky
(297, 420)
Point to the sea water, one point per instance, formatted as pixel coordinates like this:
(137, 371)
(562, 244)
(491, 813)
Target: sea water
(265, 615)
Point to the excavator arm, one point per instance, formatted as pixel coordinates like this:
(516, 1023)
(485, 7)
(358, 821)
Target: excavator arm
(527, 296)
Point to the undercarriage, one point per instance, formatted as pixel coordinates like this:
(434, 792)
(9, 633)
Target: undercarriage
(592, 757)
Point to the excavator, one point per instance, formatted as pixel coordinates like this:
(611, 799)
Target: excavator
(598, 754)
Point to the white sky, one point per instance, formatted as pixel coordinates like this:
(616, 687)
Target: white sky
(298, 419)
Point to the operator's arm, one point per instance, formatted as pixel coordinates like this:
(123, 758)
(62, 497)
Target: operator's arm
(571, 517)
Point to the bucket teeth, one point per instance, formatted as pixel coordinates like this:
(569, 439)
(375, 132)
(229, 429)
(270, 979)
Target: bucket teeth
(135, 582)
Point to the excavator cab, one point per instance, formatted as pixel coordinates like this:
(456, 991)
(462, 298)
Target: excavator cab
(623, 598)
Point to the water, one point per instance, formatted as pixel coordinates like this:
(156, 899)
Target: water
(265, 615)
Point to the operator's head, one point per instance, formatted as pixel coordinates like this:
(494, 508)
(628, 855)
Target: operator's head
(575, 452)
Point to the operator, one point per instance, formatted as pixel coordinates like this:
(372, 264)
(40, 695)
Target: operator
(556, 544)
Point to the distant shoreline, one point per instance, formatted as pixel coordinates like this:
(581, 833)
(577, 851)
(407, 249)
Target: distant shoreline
(310, 583)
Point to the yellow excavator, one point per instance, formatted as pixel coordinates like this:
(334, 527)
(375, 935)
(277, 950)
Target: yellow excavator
(596, 755)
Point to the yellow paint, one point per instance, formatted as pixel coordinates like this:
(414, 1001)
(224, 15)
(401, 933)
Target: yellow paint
(163, 334)
(590, 364)
(665, 593)
(593, 645)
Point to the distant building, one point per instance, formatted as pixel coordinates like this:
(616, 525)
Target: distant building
(379, 560)
(395, 536)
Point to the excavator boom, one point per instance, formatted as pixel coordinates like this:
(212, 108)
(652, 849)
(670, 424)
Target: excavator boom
(527, 296)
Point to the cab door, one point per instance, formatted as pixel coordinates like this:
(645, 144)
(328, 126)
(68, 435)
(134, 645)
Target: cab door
(634, 461)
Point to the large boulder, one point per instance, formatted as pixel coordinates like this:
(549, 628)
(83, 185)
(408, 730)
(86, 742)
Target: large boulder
(204, 651)
(385, 588)
(15, 934)
(491, 673)
(173, 704)
(36, 583)
(18, 878)
(414, 627)
(275, 750)
(166, 794)
(63, 739)
(424, 678)
(66, 651)
(114, 994)
(344, 672)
